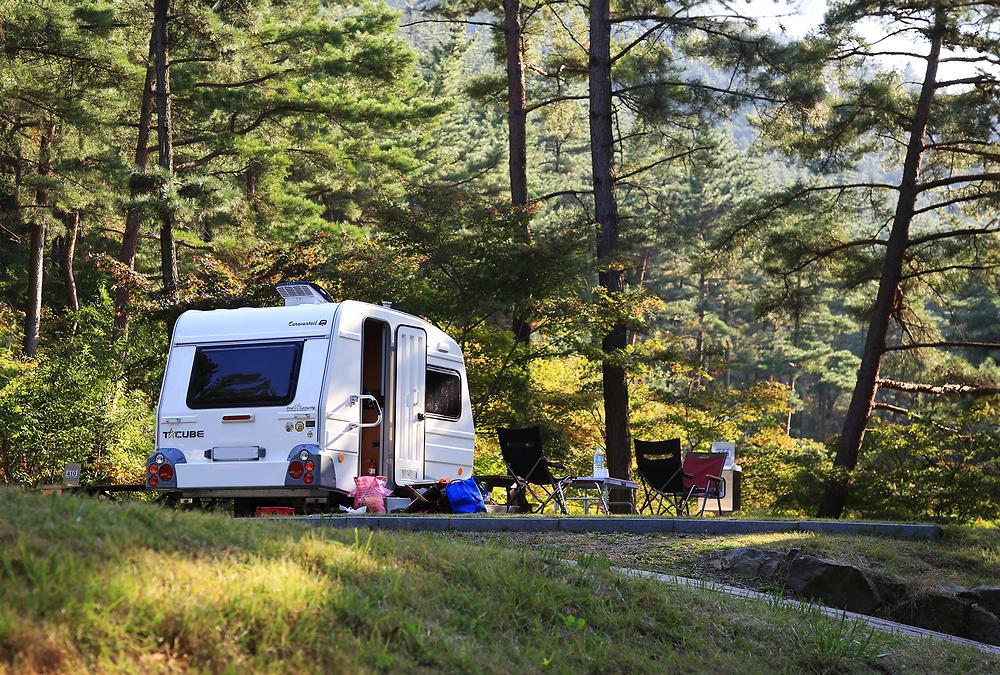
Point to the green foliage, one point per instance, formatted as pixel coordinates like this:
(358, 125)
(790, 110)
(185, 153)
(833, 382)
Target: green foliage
(944, 465)
(68, 406)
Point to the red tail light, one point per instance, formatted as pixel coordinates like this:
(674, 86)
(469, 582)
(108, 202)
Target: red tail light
(309, 465)
(152, 481)
(166, 472)
(295, 469)
(153, 468)
(308, 478)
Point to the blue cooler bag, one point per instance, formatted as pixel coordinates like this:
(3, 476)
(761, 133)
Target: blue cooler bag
(465, 497)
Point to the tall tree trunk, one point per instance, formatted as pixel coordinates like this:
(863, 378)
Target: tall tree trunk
(164, 133)
(863, 398)
(517, 119)
(727, 375)
(619, 451)
(516, 104)
(791, 413)
(136, 186)
(640, 281)
(699, 340)
(71, 219)
(36, 254)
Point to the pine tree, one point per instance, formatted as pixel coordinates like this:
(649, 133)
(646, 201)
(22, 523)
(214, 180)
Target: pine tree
(939, 138)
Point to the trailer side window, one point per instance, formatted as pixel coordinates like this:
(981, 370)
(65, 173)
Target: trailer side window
(443, 393)
(245, 375)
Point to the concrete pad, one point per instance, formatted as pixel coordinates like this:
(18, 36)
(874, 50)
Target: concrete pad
(416, 523)
(585, 524)
(520, 524)
(897, 530)
(611, 524)
(608, 525)
(718, 526)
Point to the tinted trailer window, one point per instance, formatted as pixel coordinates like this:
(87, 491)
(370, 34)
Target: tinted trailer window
(443, 394)
(244, 376)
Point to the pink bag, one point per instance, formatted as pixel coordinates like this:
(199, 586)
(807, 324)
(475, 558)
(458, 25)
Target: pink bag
(370, 491)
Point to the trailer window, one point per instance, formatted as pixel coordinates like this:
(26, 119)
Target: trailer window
(244, 376)
(443, 394)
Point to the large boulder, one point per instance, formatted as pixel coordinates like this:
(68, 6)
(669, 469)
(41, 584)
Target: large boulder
(950, 613)
(832, 583)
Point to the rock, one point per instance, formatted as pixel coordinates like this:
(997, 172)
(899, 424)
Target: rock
(988, 597)
(750, 563)
(832, 583)
(891, 589)
(947, 613)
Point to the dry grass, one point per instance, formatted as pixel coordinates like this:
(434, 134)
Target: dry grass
(965, 556)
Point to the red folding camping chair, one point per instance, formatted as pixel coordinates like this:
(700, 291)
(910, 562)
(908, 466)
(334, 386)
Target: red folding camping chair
(703, 477)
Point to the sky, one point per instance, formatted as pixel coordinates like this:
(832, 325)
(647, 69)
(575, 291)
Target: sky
(794, 18)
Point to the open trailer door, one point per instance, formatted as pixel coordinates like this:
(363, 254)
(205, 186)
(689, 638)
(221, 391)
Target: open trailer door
(411, 371)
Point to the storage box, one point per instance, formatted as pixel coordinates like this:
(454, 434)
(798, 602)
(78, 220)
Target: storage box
(396, 503)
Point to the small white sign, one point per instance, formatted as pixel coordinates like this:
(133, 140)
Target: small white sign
(71, 474)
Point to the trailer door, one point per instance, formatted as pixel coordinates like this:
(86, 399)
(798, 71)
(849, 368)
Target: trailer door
(411, 367)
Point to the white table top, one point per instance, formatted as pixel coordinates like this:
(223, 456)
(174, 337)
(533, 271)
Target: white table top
(608, 481)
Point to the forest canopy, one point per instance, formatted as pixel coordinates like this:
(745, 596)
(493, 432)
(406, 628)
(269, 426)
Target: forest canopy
(639, 219)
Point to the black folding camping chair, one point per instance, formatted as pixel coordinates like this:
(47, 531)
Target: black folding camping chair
(522, 453)
(659, 465)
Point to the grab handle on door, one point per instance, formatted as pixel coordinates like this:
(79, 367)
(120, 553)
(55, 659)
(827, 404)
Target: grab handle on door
(377, 407)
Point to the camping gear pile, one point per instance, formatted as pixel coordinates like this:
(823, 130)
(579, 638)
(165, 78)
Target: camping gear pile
(456, 496)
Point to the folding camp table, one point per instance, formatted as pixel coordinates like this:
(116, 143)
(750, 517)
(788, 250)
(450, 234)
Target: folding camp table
(603, 486)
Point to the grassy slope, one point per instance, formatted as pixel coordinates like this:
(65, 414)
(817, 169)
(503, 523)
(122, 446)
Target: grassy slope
(137, 588)
(967, 556)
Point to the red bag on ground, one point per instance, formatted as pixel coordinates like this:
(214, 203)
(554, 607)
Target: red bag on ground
(370, 491)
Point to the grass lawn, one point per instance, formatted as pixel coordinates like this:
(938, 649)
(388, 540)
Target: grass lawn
(966, 556)
(132, 587)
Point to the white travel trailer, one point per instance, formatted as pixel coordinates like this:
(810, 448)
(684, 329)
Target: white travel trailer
(287, 405)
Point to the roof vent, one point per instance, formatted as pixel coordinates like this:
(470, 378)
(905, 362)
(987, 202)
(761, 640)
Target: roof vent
(302, 293)
(387, 304)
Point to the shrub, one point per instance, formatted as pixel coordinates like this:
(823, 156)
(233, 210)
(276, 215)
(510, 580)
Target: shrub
(943, 464)
(70, 404)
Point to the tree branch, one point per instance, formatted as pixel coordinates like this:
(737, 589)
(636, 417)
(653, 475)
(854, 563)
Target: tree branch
(955, 200)
(921, 388)
(826, 253)
(556, 99)
(947, 234)
(462, 21)
(951, 180)
(627, 48)
(948, 268)
(978, 79)
(561, 193)
(628, 175)
(244, 83)
(942, 344)
(903, 411)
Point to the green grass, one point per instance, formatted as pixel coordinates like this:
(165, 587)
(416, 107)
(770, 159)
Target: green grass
(132, 587)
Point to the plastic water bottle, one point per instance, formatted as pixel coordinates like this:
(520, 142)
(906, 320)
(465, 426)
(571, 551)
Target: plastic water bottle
(600, 466)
